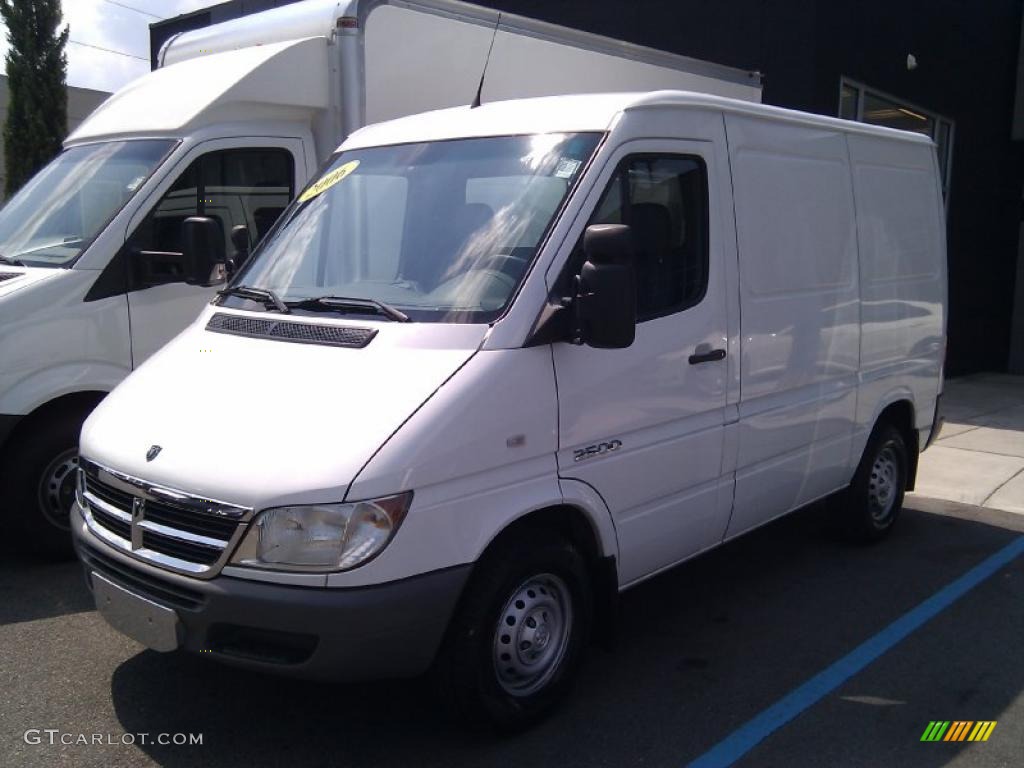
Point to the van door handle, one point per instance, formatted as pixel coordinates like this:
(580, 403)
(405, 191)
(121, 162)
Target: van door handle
(705, 354)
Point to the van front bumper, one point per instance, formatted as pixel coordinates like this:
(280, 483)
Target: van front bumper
(357, 633)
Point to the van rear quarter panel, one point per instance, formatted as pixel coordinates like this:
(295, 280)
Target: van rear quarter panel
(799, 314)
(900, 230)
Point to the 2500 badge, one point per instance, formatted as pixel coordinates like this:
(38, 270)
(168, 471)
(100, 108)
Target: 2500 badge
(592, 451)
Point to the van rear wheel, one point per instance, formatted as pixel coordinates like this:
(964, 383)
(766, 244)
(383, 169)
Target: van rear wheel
(874, 499)
(514, 645)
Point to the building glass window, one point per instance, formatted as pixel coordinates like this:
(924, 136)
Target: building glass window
(866, 105)
(848, 102)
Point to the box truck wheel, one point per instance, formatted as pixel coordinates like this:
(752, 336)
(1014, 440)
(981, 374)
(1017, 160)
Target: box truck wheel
(873, 501)
(515, 643)
(39, 486)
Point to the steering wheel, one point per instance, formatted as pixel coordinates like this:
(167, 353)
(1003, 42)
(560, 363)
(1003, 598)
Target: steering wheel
(496, 283)
(507, 263)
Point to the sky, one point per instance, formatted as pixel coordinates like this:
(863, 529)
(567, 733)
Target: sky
(116, 25)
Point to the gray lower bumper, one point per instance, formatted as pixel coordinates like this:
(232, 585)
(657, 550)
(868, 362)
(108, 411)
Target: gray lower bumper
(374, 632)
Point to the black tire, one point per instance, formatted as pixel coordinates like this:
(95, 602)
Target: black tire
(872, 503)
(467, 671)
(39, 485)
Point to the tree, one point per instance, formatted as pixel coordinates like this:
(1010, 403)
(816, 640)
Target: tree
(37, 112)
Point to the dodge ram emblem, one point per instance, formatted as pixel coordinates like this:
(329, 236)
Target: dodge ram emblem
(153, 452)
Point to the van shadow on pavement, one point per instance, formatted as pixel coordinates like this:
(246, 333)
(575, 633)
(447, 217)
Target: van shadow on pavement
(32, 588)
(699, 651)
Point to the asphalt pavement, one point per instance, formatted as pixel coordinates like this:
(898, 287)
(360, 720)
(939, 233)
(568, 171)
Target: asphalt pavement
(700, 651)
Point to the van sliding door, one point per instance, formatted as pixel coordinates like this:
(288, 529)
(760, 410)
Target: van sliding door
(799, 314)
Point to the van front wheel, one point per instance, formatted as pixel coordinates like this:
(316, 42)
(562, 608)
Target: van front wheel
(39, 487)
(516, 641)
(875, 497)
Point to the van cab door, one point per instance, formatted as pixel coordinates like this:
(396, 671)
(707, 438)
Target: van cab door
(644, 425)
(234, 181)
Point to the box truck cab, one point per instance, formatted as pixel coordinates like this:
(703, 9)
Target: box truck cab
(97, 272)
(497, 365)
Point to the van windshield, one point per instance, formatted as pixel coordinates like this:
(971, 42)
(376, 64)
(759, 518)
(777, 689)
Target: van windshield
(442, 231)
(55, 216)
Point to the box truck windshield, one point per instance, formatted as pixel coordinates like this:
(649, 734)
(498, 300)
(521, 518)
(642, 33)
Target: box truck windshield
(441, 231)
(57, 214)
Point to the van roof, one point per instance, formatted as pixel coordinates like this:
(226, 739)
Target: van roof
(583, 112)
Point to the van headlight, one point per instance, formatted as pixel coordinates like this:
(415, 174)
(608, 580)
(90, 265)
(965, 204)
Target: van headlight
(321, 537)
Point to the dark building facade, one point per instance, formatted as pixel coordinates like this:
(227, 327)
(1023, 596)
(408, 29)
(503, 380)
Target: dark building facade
(950, 68)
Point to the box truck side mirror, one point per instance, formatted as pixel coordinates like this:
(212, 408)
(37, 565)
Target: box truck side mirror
(203, 251)
(200, 262)
(605, 296)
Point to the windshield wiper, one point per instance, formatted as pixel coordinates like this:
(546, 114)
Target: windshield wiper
(345, 303)
(12, 262)
(264, 296)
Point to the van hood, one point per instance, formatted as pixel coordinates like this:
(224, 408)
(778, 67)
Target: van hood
(261, 422)
(13, 279)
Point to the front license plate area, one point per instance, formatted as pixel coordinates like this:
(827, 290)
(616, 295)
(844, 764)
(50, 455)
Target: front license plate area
(149, 623)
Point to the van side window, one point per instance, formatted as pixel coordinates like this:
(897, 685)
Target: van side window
(664, 200)
(232, 187)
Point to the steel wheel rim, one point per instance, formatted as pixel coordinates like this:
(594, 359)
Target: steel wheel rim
(57, 489)
(883, 484)
(532, 634)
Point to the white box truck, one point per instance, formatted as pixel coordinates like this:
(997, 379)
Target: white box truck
(499, 364)
(94, 276)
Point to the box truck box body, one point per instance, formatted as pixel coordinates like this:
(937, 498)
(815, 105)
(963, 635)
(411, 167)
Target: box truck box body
(499, 364)
(237, 118)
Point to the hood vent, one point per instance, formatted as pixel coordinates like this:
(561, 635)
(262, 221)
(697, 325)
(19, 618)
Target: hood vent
(9, 275)
(285, 330)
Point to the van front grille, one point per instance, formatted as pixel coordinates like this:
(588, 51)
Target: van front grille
(9, 275)
(194, 553)
(115, 525)
(170, 529)
(202, 525)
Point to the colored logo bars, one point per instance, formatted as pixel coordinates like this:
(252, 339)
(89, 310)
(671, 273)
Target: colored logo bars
(958, 730)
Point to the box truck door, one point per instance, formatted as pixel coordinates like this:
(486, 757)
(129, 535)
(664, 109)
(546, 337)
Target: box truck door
(644, 425)
(232, 182)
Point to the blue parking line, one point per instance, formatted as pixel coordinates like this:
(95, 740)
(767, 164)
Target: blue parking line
(754, 731)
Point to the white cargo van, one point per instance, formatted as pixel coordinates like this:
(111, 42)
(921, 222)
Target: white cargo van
(499, 364)
(94, 273)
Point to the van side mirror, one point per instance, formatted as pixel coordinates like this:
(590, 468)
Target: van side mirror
(202, 246)
(605, 300)
(240, 242)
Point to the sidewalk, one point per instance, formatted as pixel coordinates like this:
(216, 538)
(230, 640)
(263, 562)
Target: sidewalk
(979, 455)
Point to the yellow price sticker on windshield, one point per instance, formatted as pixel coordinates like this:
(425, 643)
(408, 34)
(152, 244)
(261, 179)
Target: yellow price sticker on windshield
(328, 180)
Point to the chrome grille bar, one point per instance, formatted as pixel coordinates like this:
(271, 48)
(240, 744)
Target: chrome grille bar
(174, 533)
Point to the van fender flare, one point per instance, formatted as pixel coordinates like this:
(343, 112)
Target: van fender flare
(574, 494)
(901, 393)
(585, 498)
